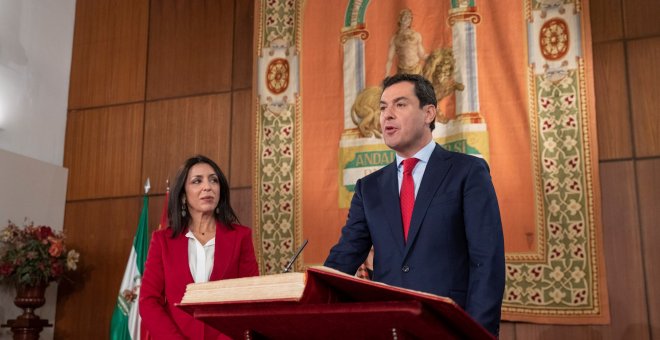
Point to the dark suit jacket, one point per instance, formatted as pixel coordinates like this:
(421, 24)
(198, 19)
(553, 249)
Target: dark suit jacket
(455, 244)
(167, 272)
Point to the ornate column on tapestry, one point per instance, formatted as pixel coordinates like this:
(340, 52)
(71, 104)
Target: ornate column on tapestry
(278, 123)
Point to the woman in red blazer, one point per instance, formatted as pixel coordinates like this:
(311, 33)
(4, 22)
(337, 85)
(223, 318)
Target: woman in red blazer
(202, 243)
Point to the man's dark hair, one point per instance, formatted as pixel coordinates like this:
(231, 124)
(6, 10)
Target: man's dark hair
(224, 213)
(423, 89)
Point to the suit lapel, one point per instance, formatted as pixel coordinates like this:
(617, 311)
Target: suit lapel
(389, 187)
(435, 173)
(225, 241)
(182, 263)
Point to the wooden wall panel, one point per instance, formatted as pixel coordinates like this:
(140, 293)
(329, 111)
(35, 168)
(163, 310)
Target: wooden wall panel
(612, 114)
(102, 231)
(156, 204)
(241, 202)
(243, 48)
(581, 332)
(606, 20)
(644, 75)
(190, 47)
(103, 151)
(623, 257)
(242, 141)
(648, 185)
(109, 52)
(179, 128)
(641, 17)
(507, 331)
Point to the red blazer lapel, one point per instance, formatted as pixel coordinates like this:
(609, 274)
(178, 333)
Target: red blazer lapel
(180, 258)
(225, 242)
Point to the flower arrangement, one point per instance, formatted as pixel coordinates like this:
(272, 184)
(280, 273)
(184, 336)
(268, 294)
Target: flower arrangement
(34, 255)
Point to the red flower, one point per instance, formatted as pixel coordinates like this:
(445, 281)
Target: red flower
(56, 247)
(6, 269)
(56, 269)
(43, 232)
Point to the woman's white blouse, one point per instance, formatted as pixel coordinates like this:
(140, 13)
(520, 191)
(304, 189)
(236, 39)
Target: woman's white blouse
(200, 258)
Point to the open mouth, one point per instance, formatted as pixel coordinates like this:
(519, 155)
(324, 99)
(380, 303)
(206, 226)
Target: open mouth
(390, 129)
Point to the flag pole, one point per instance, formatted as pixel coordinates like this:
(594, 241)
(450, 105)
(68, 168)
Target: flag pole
(125, 323)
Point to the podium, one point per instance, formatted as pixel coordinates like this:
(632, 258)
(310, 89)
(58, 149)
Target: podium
(334, 305)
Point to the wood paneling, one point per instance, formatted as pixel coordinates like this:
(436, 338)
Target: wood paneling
(156, 205)
(507, 331)
(582, 332)
(648, 186)
(612, 114)
(243, 50)
(242, 141)
(180, 128)
(241, 202)
(606, 20)
(644, 75)
(103, 151)
(623, 258)
(641, 17)
(109, 52)
(190, 47)
(102, 231)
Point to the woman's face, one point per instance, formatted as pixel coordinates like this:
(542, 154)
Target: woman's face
(202, 189)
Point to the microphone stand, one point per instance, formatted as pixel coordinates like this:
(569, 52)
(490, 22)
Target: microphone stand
(287, 268)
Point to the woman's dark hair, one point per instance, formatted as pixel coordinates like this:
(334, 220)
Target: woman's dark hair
(423, 89)
(223, 212)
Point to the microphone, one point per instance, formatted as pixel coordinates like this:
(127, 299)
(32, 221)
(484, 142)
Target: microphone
(287, 268)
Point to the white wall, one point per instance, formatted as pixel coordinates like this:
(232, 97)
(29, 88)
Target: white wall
(36, 37)
(37, 191)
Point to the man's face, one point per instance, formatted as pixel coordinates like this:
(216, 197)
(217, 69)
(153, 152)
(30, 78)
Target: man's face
(404, 124)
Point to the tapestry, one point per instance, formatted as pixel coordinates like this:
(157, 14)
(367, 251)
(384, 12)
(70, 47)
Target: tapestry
(515, 88)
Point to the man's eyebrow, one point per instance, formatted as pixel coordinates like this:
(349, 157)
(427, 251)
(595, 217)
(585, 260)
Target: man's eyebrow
(397, 99)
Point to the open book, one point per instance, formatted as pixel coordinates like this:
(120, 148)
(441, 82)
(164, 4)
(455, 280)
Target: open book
(288, 286)
(281, 287)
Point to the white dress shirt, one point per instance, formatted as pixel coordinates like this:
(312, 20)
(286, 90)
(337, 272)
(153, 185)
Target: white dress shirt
(418, 172)
(200, 257)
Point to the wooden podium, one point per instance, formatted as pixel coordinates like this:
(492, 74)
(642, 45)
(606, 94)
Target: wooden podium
(337, 306)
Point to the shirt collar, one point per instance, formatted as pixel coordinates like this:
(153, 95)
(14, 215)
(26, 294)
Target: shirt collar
(423, 154)
(190, 235)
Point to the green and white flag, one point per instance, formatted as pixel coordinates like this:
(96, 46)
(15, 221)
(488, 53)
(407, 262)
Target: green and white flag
(125, 322)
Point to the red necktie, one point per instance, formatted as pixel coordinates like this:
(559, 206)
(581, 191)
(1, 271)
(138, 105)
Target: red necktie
(407, 194)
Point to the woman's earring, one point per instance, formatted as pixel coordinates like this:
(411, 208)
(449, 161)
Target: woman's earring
(217, 210)
(183, 207)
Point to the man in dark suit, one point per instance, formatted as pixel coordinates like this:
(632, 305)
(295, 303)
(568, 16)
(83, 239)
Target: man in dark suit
(434, 222)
